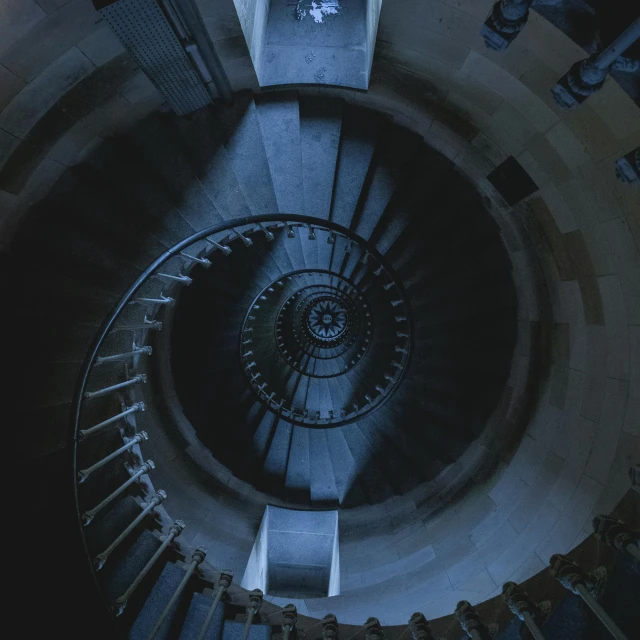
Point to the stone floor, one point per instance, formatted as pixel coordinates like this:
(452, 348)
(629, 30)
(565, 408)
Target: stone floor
(321, 42)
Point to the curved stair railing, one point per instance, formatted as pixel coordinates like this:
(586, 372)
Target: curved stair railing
(103, 420)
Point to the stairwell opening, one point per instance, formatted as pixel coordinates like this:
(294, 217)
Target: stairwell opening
(310, 41)
(295, 555)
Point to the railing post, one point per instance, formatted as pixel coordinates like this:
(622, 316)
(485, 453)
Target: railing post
(255, 602)
(329, 627)
(134, 408)
(290, 614)
(141, 377)
(573, 578)
(373, 630)
(524, 607)
(174, 531)
(247, 242)
(224, 582)
(187, 257)
(220, 247)
(471, 624)
(267, 234)
(85, 473)
(101, 558)
(198, 556)
(628, 167)
(587, 76)
(505, 22)
(618, 535)
(150, 301)
(88, 516)
(185, 280)
(419, 626)
(117, 357)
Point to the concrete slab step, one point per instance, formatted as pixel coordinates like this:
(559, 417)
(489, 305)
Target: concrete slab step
(320, 124)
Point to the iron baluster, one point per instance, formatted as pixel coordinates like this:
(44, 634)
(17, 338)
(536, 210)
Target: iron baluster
(224, 582)
(174, 531)
(471, 623)
(573, 578)
(419, 626)
(618, 535)
(290, 614)
(140, 378)
(117, 357)
(198, 556)
(524, 607)
(83, 474)
(253, 606)
(88, 516)
(101, 558)
(134, 408)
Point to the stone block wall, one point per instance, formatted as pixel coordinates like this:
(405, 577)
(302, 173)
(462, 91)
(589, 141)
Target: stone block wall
(66, 84)
(373, 15)
(253, 16)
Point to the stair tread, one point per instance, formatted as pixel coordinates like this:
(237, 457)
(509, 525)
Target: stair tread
(158, 141)
(110, 522)
(309, 249)
(387, 457)
(391, 164)
(323, 483)
(234, 630)
(324, 249)
(247, 153)
(372, 479)
(297, 480)
(344, 470)
(196, 615)
(279, 119)
(121, 572)
(204, 148)
(155, 603)
(320, 123)
(357, 143)
(275, 464)
(264, 432)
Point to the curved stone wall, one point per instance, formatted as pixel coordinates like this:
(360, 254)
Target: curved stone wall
(65, 84)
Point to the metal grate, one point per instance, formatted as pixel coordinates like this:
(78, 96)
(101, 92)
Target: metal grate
(145, 32)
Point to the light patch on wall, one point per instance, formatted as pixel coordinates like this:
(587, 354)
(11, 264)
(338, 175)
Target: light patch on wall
(322, 8)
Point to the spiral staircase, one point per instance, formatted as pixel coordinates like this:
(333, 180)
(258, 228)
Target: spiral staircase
(306, 332)
(337, 309)
(298, 303)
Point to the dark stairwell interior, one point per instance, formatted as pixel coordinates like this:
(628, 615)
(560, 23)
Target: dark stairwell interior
(109, 217)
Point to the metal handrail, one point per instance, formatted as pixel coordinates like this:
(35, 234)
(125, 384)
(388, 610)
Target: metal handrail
(177, 250)
(466, 615)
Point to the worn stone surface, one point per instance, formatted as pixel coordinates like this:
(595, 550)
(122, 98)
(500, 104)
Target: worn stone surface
(10, 86)
(40, 95)
(50, 38)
